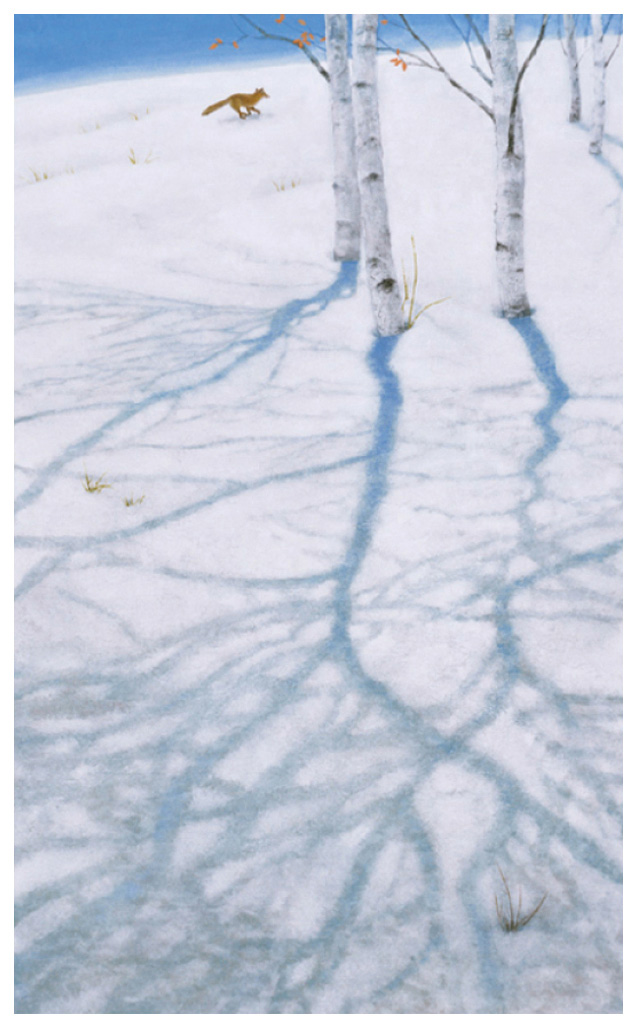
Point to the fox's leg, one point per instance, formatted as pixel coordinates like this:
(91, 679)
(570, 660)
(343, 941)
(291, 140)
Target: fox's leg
(237, 107)
(254, 110)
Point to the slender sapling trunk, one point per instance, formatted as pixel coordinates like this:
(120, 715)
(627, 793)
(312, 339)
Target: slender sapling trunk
(347, 237)
(575, 112)
(379, 263)
(510, 161)
(599, 86)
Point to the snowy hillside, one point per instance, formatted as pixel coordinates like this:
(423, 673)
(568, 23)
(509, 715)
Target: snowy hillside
(354, 644)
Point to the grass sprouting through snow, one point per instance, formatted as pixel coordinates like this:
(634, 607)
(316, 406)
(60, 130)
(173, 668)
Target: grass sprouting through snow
(137, 160)
(39, 176)
(94, 485)
(280, 186)
(410, 291)
(514, 920)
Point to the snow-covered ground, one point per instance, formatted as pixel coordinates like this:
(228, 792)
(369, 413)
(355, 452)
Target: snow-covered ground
(279, 724)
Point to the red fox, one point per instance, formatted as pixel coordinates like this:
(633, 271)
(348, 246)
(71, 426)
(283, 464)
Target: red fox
(239, 100)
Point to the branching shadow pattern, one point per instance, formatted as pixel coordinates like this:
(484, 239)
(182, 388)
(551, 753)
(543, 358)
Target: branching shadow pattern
(232, 797)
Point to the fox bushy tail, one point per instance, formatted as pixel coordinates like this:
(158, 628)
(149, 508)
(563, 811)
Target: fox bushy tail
(215, 107)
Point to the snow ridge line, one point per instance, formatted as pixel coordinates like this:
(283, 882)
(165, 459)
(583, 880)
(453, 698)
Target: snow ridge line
(280, 322)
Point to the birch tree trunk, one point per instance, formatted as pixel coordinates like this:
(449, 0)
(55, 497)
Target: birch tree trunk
(509, 144)
(575, 112)
(379, 263)
(347, 235)
(599, 85)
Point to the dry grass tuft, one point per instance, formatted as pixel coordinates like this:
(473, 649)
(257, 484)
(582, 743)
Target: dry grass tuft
(137, 160)
(513, 921)
(409, 290)
(39, 176)
(94, 485)
(280, 186)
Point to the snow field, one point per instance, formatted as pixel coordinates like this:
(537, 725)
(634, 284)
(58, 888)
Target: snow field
(279, 724)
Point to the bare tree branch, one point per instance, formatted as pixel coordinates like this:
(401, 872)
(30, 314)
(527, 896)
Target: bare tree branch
(466, 39)
(286, 39)
(516, 91)
(613, 51)
(559, 35)
(439, 67)
(480, 38)
(462, 35)
(617, 44)
(416, 59)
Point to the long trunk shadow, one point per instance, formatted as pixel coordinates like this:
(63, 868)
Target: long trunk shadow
(279, 323)
(600, 157)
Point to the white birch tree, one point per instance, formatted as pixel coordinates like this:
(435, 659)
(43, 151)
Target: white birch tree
(347, 234)
(505, 80)
(599, 86)
(379, 262)
(575, 112)
(510, 168)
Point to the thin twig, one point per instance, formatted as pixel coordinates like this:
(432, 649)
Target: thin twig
(386, 47)
(481, 40)
(467, 42)
(613, 51)
(439, 67)
(286, 39)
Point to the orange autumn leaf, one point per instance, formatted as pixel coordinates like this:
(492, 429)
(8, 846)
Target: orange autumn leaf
(214, 46)
(218, 40)
(279, 19)
(301, 22)
(235, 45)
(383, 21)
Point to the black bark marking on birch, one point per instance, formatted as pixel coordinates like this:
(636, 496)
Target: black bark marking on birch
(387, 285)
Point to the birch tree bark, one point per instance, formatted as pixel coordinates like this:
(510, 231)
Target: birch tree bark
(575, 112)
(347, 235)
(509, 144)
(599, 86)
(379, 263)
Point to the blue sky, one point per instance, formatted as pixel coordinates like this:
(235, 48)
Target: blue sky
(55, 49)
